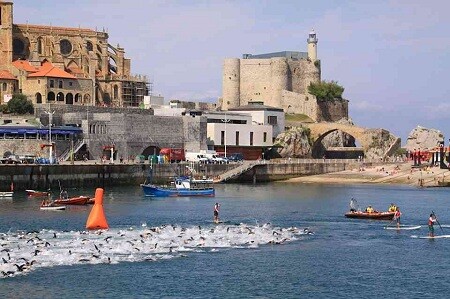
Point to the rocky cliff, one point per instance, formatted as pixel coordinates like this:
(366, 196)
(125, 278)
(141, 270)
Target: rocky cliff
(423, 139)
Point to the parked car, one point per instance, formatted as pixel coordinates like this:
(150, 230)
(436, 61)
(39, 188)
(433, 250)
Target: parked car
(236, 157)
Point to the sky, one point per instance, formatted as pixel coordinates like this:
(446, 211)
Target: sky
(392, 57)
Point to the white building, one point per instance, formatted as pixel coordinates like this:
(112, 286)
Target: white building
(231, 132)
(264, 115)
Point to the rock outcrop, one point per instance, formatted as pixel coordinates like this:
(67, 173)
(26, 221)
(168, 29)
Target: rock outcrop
(423, 139)
(383, 144)
(294, 142)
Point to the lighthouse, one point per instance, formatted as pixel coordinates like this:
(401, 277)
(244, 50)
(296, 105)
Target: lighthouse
(312, 46)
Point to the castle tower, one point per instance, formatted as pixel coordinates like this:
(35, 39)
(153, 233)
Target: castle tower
(312, 46)
(231, 83)
(280, 80)
(6, 24)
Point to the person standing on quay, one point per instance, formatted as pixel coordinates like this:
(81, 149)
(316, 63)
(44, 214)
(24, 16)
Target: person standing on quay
(216, 212)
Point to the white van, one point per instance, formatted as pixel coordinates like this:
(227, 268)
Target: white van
(214, 158)
(196, 157)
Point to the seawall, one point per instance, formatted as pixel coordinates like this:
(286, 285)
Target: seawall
(43, 177)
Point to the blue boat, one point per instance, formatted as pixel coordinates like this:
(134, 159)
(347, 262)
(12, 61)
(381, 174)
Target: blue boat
(181, 186)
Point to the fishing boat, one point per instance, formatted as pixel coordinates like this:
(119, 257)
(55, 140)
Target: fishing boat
(181, 186)
(35, 193)
(6, 194)
(372, 215)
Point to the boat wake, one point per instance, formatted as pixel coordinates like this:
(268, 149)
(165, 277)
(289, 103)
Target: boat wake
(22, 252)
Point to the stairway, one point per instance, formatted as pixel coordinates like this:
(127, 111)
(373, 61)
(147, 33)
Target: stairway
(245, 166)
(67, 153)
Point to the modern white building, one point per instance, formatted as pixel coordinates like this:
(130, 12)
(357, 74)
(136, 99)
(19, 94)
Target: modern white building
(264, 115)
(231, 132)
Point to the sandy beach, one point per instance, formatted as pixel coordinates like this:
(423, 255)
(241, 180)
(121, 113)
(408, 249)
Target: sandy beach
(400, 173)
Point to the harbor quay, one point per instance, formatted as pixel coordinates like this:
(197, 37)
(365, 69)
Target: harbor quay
(96, 174)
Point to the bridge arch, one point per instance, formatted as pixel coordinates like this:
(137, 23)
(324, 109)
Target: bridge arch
(364, 136)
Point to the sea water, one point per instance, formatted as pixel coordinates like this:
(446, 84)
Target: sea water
(278, 240)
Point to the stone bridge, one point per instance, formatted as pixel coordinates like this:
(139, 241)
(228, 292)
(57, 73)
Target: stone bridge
(379, 139)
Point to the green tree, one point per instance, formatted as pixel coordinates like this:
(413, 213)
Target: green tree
(20, 104)
(326, 91)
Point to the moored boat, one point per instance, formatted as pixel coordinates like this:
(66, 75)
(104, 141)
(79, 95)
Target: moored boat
(78, 200)
(52, 208)
(181, 186)
(372, 215)
(6, 194)
(35, 193)
(49, 205)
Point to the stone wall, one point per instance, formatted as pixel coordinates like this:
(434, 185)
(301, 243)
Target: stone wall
(131, 131)
(277, 82)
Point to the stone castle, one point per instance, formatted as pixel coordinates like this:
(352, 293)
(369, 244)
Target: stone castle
(279, 80)
(65, 65)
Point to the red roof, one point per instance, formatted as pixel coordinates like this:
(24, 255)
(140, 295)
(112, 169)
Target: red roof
(25, 65)
(5, 75)
(48, 70)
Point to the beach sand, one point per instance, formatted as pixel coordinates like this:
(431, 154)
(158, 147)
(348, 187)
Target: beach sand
(400, 173)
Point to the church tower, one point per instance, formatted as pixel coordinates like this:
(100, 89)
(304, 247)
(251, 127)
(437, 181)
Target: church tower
(312, 46)
(6, 24)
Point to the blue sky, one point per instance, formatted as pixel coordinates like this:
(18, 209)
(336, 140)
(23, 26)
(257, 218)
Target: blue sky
(392, 57)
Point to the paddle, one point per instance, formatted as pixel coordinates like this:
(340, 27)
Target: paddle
(432, 212)
(393, 219)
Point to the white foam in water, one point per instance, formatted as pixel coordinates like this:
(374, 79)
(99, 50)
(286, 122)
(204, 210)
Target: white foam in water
(22, 252)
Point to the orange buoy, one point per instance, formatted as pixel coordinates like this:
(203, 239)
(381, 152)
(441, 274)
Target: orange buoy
(97, 219)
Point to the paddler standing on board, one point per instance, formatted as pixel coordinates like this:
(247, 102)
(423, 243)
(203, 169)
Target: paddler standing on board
(216, 212)
(353, 205)
(431, 222)
(397, 216)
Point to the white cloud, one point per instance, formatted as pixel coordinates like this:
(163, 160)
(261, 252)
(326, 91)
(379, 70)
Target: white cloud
(366, 106)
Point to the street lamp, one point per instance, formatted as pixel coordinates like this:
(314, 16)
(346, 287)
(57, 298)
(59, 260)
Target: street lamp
(225, 137)
(50, 117)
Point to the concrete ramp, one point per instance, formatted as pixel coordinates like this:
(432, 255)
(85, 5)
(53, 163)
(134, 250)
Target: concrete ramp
(235, 172)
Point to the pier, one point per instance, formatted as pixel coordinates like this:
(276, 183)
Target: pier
(95, 174)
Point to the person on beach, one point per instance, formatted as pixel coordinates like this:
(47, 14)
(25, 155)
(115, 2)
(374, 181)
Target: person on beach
(431, 222)
(397, 216)
(216, 212)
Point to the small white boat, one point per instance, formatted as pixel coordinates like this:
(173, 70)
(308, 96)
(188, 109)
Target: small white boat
(6, 194)
(52, 208)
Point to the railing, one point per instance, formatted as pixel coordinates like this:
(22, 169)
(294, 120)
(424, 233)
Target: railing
(66, 154)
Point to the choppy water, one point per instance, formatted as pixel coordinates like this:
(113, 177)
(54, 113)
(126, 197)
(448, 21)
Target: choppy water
(169, 248)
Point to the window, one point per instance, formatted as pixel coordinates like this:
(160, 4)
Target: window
(272, 120)
(89, 46)
(52, 84)
(237, 138)
(4, 86)
(222, 137)
(70, 84)
(251, 138)
(265, 137)
(116, 92)
(60, 84)
(39, 46)
(66, 47)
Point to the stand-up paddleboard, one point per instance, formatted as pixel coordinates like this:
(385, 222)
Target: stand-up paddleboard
(435, 237)
(403, 227)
